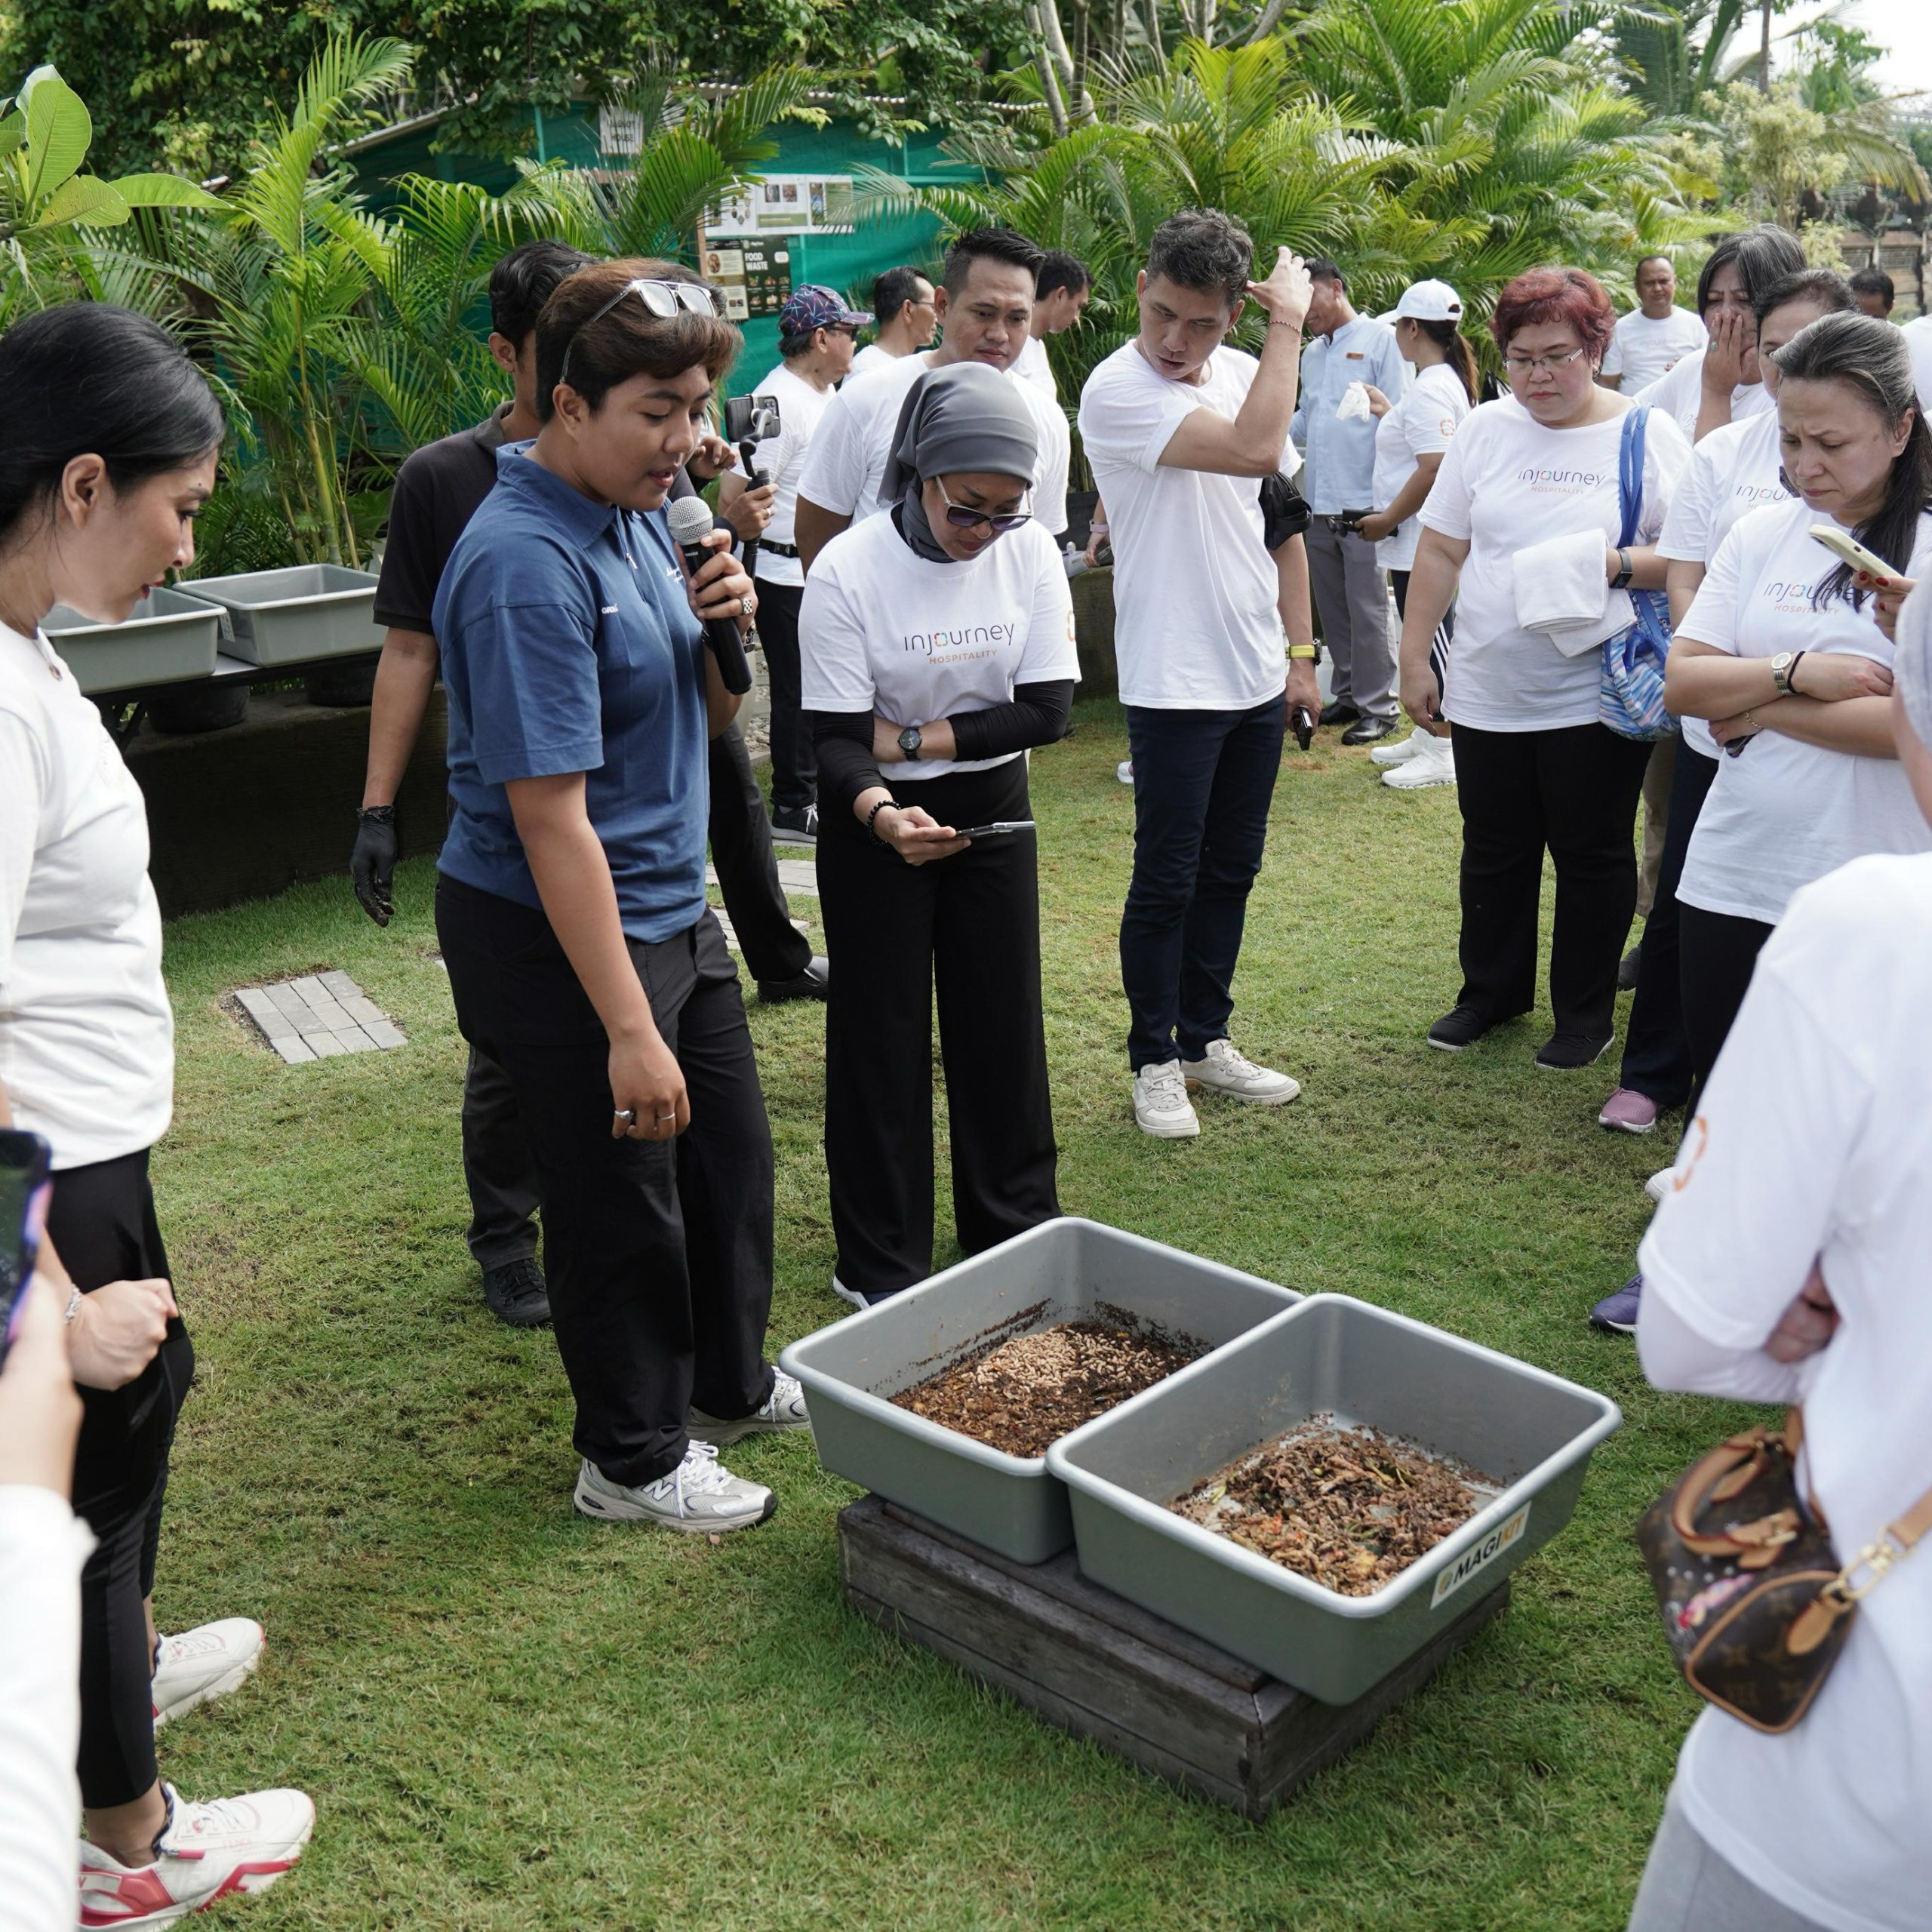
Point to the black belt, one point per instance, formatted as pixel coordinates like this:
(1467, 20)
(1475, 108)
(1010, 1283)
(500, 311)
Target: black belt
(765, 544)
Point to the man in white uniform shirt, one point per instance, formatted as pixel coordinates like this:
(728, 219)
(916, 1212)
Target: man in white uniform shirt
(1060, 292)
(1655, 336)
(1181, 429)
(986, 304)
(817, 335)
(904, 309)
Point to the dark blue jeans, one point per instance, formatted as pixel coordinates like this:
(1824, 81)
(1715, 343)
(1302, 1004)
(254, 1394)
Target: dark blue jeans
(1203, 781)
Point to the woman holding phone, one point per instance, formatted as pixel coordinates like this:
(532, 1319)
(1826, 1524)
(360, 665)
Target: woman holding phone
(937, 640)
(112, 438)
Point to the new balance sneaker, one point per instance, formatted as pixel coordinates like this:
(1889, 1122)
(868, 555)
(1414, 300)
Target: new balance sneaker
(1434, 764)
(699, 1495)
(1629, 1112)
(1160, 1105)
(1124, 771)
(1617, 1315)
(1658, 1185)
(781, 1411)
(1566, 1052)
(1386, 754)
(208, 1852)
(1226, 1071)
(202, 1664)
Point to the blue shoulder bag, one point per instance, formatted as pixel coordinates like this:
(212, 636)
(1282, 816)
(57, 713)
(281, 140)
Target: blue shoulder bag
(1630, 692)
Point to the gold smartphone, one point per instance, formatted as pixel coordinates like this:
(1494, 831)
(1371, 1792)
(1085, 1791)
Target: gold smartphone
(1848, 549)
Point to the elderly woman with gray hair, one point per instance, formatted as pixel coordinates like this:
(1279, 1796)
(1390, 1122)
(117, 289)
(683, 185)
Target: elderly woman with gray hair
(1787, 1263)
(937, 639)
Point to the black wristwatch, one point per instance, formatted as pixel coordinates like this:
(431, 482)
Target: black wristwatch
(910, 740)
(1626, 571)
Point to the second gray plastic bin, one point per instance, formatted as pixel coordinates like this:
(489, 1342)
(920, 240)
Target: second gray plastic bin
(295, 615)
(1530, 1431)
(169, 639)
(1066, 1270)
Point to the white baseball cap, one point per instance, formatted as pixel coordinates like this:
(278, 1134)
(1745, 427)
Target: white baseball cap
(1430, 302)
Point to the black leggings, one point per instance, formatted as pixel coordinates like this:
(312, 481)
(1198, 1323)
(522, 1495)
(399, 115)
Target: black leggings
(1445, 632)
(101, 1222)
(1717, 952)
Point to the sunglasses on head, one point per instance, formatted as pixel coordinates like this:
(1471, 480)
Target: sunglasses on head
(962, 518)
(663, 300)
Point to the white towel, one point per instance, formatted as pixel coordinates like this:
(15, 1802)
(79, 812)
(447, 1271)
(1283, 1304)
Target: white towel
(1561, 590)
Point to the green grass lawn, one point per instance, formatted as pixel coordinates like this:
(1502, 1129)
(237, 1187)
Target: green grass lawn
(512, 1718)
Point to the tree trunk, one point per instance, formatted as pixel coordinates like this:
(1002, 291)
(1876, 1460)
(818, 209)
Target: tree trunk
(1763, 46)
(1049, 73)
(1270, 18)
(1083, 37)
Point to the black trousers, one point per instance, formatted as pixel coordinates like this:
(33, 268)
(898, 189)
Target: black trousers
(794, 762)
(1718, 952)
(970, 924)
(497, 1166)
(658, 1254)
(1657, 1054)
(1572, 793)
(101, 1222)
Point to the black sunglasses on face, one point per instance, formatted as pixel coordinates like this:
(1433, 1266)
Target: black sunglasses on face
(961, 518)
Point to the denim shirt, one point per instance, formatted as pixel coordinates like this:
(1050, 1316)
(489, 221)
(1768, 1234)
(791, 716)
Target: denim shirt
(1340, 474)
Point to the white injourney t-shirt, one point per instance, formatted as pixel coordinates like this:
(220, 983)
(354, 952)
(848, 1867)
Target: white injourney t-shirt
(1508, 483)
(1733, 471)
(87, 1035)
(847, 463)
(869, 361)
(1680, 391)
(1421, 422)
(1782, 813)
(801, 409)
(885, 630)
(1196, 625)
(1813, 1140)
(1641, 349)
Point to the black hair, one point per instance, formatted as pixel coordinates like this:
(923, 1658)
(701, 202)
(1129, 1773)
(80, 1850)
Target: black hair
(1204, 249)
(1644, 261)
(992, 244)
(790, 347)
(893, 290)
(1760, 255)
(524, 281)
(628, 340)
(1873, 280)
(1059, 270)
(1871, 359)
(1321, 268)
(1824, 289)
(88, 378)
(1460, 357)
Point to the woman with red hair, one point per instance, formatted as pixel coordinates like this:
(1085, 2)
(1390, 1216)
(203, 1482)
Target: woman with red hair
(1537, 771)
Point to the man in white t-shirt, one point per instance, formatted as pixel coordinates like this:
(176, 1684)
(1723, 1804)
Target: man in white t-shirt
(907, 318)
(1918, 334)
(1181, 430)
(817, 335)
(985, 302)
(1655, 336)
(1060, 292)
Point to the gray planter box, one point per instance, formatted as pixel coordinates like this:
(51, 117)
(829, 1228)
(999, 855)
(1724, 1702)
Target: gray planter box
(1531, 1432)
(170, 638)
(296, 615)
(1062, 1271)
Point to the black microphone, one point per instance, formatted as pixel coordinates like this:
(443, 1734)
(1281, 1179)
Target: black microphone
(747, 455)
(690, 523)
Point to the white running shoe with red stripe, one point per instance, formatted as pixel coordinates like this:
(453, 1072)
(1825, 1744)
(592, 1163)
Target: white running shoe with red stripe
(208, 1852)
(203, 1663)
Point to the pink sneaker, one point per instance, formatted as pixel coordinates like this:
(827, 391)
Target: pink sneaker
(1629, 1112)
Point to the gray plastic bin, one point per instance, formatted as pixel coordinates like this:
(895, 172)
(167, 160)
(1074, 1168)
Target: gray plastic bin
(1531, 1432)
(1062, 1271)
(169, 639)
(295, 615)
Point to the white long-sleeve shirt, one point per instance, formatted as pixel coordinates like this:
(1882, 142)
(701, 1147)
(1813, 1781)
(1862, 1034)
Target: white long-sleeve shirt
(42, 1546)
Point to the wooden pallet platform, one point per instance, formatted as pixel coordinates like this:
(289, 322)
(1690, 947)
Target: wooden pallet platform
(1093, 1664)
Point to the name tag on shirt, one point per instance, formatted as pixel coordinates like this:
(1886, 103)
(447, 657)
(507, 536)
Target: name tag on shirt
(1353, 355)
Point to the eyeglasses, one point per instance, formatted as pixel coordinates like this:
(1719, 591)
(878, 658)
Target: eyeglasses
(961, 518)
(663, 299)
(1521, 365)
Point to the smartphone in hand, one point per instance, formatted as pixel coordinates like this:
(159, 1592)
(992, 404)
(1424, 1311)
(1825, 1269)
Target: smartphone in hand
(25, 1183)
(1849, 550)
(999, 829)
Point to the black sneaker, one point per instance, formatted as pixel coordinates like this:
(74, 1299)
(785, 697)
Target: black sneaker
(1617, 1315)
(814, 982)
(797, 825)
(1461, 1027)
(1339, 713)
(1368, 730)
(1627, 968)
(515, 1293)
(1565, 1052)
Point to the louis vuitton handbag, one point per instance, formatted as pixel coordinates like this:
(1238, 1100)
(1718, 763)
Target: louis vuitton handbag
(1756, 1605)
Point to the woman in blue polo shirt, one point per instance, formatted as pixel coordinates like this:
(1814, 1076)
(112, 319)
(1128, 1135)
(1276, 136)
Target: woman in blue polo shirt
(571, 906)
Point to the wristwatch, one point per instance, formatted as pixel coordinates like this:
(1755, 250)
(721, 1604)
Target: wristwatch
(1626, 571)
(910, 740)
(1782, 665)
(1309, 652)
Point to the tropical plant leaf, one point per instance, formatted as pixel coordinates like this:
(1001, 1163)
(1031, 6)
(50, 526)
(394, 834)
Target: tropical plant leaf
(163, 191)
(84, 200)
(59, 130)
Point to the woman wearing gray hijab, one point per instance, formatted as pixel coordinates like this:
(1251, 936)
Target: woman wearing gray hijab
(937, 639)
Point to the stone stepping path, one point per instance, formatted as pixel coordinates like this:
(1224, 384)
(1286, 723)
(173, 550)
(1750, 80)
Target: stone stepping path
(318, 1016)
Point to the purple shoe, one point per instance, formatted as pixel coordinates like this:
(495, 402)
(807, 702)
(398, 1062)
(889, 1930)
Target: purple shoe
(1629, 1112)
(1617, 1315)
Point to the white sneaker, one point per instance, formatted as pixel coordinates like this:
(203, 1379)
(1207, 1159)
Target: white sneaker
(1433, 763)
(852, 1295)
(782, 1411)
(1124, 771)
(208, 1852)
(1160, 1105)
(1386, 754)
(1224, 1071)
(700, 1495)
(202, 1664)
(1658, 1185)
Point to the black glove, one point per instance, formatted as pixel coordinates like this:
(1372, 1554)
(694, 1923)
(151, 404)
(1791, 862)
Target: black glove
(372, 864)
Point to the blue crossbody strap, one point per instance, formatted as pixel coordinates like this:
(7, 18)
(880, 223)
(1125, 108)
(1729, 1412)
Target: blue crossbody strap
(1630, 474)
